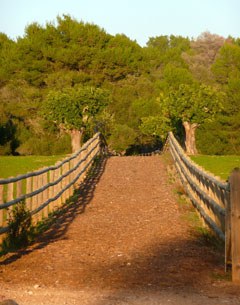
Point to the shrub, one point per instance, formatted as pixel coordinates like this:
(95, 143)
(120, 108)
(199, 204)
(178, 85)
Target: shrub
(47, 145)
(20, 228)
(122, 138)
(5, 149)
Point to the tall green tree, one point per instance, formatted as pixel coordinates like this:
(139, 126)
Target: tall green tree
(72, 109)
(202, 55)
(193, 105)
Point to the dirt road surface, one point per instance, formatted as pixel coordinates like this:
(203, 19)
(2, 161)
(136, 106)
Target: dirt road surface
(126, 241)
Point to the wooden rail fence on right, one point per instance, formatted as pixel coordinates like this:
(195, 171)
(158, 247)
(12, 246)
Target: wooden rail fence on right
(217, 202)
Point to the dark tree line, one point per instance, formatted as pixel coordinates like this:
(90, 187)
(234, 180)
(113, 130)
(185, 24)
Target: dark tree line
(61, 82)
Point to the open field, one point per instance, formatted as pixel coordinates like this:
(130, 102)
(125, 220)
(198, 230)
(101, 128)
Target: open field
(218, 165)
(14, 165)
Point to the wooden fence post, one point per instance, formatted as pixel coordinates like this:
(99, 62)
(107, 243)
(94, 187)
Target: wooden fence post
(1, 201)
(40, 197)
(2, 214)
(35, 198)
(59, 184)
(45, 193)
(71, 177)
(80, 179)
(28, 191)
(66, 180)
(10, 190)
(228, 251)
(19, 188)
(235, 223)
(55, 188)
(51, 192)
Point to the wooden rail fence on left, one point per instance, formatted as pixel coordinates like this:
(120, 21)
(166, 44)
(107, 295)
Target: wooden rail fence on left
(48, 188)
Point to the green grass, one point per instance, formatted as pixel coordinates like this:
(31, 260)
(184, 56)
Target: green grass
(15, 165)
(218, 165)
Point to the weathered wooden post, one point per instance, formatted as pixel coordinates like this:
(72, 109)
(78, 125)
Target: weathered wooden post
(235, 223)
(35, 199)
(68, 180)
(28, 191)
(64, 182)
(51, 191)
(71, 177)
(58, 172)
(45, 193)
(10, 190)
(228, 250)
(1, 201)
(40, 197)
(2, 220)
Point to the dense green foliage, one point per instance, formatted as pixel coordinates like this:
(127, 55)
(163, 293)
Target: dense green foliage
(72, 74)
(74, 107)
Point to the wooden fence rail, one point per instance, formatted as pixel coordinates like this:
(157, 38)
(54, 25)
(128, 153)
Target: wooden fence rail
(46, 189)
(217, 202)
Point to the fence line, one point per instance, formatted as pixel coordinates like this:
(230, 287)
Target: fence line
(46, 189)
(210, 196)
(217, 202)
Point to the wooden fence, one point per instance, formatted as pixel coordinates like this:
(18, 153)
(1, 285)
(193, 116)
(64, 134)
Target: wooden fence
(46, 189)
(217, 202)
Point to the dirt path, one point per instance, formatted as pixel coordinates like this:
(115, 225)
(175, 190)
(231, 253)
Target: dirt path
(126, 242)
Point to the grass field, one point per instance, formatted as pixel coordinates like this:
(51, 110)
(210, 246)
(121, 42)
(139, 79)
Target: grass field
(14, 165)
(218, 165)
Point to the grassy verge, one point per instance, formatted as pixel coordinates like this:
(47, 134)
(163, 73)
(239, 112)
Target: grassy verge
(218, 165)
(189, 213)
(199, 232)
(15, 165)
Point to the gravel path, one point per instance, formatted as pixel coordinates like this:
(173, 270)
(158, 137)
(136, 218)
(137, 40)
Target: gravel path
(126, 241)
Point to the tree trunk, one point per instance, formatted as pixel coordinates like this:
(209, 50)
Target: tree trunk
(190, 140)
(76, 139)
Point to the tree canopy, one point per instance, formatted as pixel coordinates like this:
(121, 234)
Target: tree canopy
(73, 109)
(83, 78)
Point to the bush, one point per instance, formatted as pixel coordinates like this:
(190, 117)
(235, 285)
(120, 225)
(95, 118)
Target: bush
(122, 138)
(46, 145)
(218, 138)
(20, 228)
(5, 149)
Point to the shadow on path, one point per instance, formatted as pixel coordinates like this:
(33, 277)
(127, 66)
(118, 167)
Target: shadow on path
(183, 271)
(176, 263)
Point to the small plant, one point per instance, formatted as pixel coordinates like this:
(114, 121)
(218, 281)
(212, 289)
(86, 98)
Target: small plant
(20, 228)
(179, 189)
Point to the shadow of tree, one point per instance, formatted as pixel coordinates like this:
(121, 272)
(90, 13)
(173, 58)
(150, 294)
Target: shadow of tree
(55, 227)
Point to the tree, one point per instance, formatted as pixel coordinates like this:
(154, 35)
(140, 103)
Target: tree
(120, 58)
(227, 63)
(122, 138)
(73, 108)
(157, 126)
(193, 105)
(226, 70)
(202, 55)
(162, 50)
(174, 76)
(7, 47)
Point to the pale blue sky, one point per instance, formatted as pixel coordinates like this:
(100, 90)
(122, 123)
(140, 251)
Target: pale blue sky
(138, 19)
